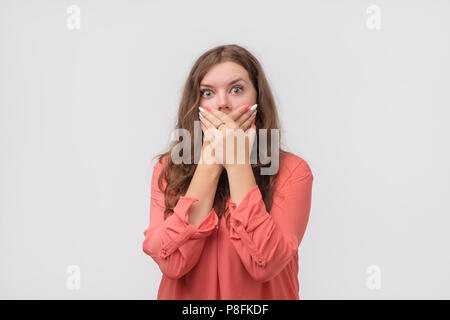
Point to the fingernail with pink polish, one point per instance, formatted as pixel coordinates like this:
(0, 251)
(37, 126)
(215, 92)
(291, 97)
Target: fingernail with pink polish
(247, 107)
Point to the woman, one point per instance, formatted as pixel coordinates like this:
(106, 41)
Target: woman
(222, 229)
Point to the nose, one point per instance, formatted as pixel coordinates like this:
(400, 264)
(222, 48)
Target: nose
(223, 104)
(224, 109)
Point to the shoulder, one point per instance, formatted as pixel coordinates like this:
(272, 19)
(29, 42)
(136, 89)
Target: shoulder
(161, 161)
(293, 167)
(293, 164)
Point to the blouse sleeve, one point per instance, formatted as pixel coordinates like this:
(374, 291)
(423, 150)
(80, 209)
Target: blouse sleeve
(175, 244)
(267, 242)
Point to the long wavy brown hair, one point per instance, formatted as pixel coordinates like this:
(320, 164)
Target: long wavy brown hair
(178, 176)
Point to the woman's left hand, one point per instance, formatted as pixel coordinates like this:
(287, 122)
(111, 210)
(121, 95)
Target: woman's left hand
(237, 128)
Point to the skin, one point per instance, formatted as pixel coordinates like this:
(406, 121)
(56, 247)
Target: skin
(226, 103)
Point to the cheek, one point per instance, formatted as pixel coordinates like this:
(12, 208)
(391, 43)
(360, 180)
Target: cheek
(249, 95)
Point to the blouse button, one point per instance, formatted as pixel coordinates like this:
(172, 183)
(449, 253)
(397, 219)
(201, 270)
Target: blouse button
(164, 251)
(217, 227)
(259, 260)
(233, 205)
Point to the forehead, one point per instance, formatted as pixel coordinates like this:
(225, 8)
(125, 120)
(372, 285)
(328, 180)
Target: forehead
(223, 73)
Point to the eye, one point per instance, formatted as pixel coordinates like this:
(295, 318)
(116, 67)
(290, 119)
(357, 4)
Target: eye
(240, 88)
(203, 91)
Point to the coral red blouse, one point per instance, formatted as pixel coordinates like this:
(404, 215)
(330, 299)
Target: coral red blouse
(256, 259)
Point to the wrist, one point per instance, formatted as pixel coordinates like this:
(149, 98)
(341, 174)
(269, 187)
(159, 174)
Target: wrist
(213, 170)
(239, 168)
(241, 180)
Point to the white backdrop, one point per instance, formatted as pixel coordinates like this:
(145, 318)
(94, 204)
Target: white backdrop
(362, 89)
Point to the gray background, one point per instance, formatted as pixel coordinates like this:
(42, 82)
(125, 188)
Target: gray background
(84, 111)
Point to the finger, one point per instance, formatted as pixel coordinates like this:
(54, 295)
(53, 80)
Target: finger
(242, 114)
(253, 126)
(204, 132)
(251, 135)
(248, 122)
(205, 121)
(252, 130)
(211, 117)
(249, 115)
(203, 125)
(209, 127)
(217, 117)
(238, 112)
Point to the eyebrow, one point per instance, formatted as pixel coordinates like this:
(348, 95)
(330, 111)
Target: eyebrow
(232, 82)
